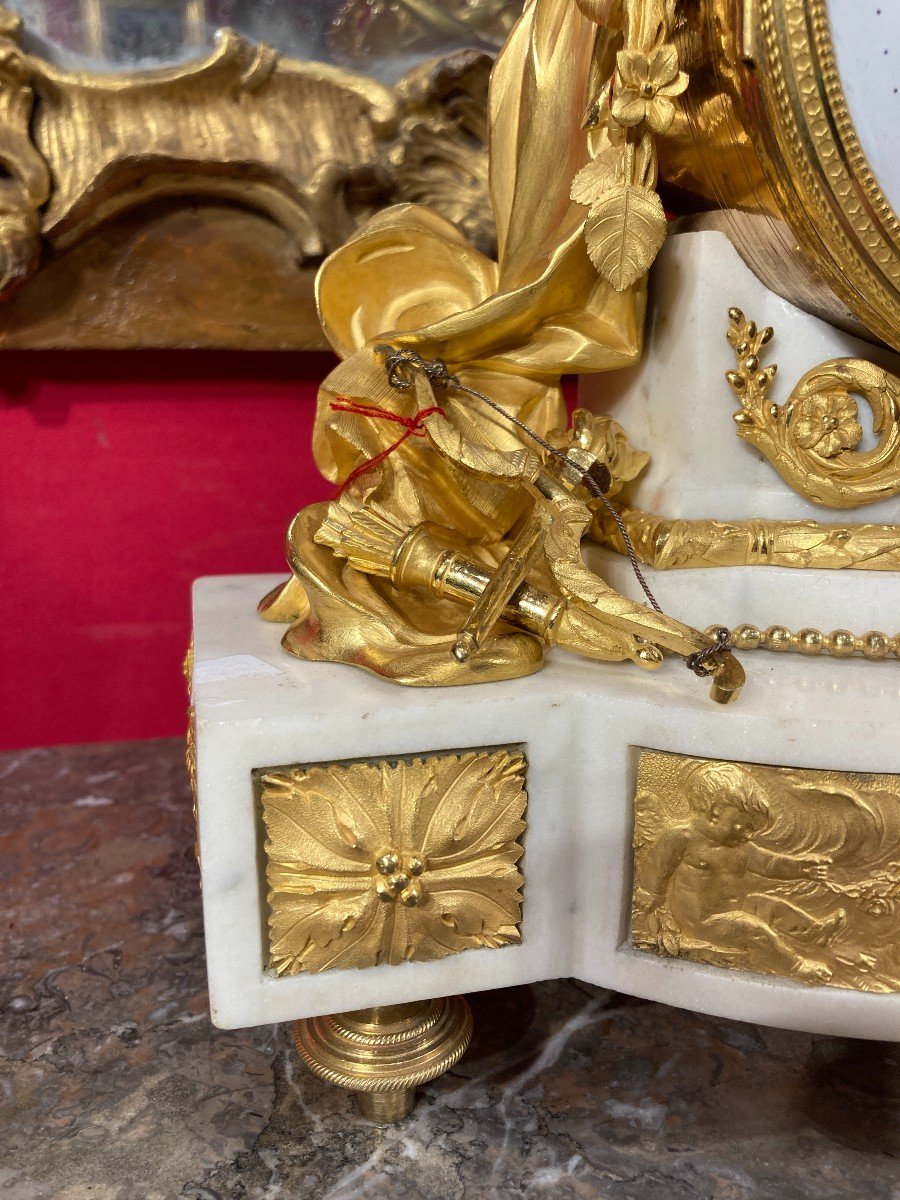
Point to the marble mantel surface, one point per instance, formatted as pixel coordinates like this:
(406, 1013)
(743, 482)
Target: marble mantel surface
(114, 1086)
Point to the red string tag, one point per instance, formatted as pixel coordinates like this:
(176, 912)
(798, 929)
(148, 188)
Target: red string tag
(412, 427)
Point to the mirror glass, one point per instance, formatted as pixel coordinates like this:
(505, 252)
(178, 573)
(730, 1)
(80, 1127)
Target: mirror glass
(381, 38)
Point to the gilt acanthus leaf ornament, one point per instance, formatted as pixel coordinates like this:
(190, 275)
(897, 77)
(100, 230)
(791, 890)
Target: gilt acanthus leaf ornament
(392, 861)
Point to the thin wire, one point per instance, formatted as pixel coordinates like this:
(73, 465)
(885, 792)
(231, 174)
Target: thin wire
(437, 371)
(696, 662)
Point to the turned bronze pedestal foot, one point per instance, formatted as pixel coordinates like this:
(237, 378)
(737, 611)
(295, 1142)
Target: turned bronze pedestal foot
(384, 1053)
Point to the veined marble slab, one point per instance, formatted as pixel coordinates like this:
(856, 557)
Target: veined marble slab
(582, 724)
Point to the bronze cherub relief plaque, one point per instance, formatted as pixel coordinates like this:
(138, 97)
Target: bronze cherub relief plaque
(780, 870)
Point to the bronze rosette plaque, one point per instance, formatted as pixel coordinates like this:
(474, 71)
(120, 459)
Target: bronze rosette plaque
(392, 860)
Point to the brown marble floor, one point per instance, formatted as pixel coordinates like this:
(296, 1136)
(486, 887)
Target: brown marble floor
(113, 1085)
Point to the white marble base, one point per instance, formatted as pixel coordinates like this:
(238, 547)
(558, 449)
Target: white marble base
(581, 724)
(677, 405)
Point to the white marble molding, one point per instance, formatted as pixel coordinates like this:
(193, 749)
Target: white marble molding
(677, 405)
(581, 724)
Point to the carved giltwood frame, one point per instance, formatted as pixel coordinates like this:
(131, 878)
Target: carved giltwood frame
(216, 185)
(208, 183)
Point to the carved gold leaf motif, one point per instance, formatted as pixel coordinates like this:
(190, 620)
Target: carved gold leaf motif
(626, 223)
(813, 440)
(393, 861)
(624, 232)
(778, 870)
(598, 176)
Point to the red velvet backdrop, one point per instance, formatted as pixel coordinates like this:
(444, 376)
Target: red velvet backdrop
(124, 477)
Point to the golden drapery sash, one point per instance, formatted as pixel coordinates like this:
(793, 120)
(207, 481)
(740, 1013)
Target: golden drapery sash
(509, 328)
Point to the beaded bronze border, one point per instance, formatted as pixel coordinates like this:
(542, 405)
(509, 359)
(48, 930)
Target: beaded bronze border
(817, 168)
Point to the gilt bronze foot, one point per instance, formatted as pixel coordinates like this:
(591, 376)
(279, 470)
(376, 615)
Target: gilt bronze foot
(383, 1054)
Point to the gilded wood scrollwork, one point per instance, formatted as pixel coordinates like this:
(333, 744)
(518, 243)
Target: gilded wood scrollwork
(311, 148)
